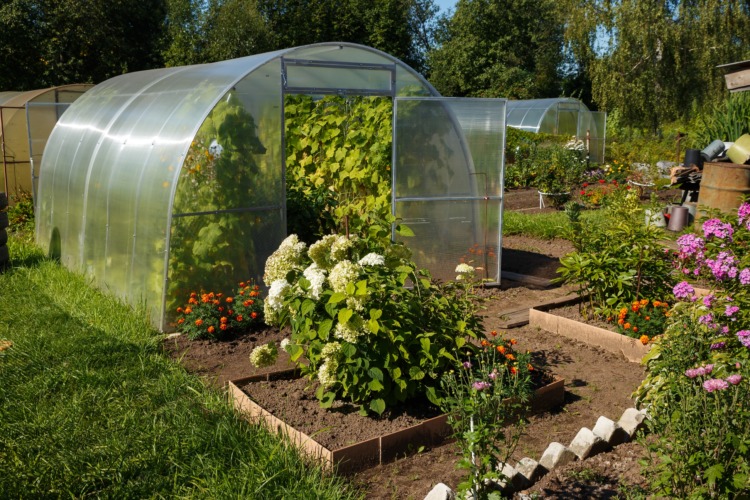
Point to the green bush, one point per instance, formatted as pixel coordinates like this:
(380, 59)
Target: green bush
(372, 328)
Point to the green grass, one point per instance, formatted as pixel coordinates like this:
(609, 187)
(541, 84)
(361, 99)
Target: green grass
(90, 406)
(546, 225)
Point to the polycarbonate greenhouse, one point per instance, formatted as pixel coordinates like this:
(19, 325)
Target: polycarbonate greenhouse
(26, 121)
(162, 182)
(561, 116)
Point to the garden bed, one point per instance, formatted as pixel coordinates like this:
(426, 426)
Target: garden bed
(340, 435)
(597, 334)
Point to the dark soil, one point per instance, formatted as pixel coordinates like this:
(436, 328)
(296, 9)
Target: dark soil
(596, 383)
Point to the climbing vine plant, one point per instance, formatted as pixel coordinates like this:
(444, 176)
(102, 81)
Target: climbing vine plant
(338, 160)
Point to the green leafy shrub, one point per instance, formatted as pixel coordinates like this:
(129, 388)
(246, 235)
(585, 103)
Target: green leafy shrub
(212, 315)
(644, 319)
(558, 169)
(618, 261)
(484, 396)
(726, 122)
(338, 159)
(21, 213)
(372, 328)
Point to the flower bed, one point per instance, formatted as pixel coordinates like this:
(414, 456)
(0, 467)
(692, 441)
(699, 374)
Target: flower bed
(367, 451)
(631, 348)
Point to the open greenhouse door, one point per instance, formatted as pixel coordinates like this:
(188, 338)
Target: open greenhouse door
(448, 175)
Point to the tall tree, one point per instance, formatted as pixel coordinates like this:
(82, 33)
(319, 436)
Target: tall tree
(235, 28)
(499, 48)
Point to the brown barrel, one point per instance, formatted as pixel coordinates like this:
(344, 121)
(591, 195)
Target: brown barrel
(722, 186)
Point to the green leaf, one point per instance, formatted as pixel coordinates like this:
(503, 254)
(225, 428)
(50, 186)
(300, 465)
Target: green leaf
(378, 406)
(324, 329)
(460, 342)
(432, 396)
(345, 315)
(336, 298)
(375, 373)
(327, 400)
(425, 344)
(361, 288)
(416, 373)
(375, 313)
(375, 385)
(403, 230)
(373, 326)
(308, 306)
(296, 352)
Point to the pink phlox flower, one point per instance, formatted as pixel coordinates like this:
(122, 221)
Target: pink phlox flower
(744, 337)
(480, 385)
(708, 300)
(743, 212)
(683, 290)
(745, 276)
(718, 345)
(734, 379)
(715, 384)
(493, 374)
(730, 310)
(718, 229)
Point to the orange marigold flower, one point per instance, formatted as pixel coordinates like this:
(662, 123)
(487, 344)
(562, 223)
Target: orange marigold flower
(253, 294)
(188, 310)
(513, 342)
(256, 287)
(493, 333)
(224, 326)
(635, 328)
(609, 319)
(211, 329)
(242, 292)
(193, 301)
(484, 343)
(626, 326)
(180, 310)
(231, 312)
(216, 302)
(510, 357)
(219, 295)
(656, 303)
(242, 284)
(254, 315)
(644, 302)
(529, 367)
(247, 303)
(648, 318)
(644, 339)
(664, 304)
(198, 322)
(229, 300)
(180, 321)
(620, 321)
(239, 318)
(501, 349)
(193, 294)
(634, 308)
(223, 319)
(513, 370)
(624, 310)
(221, 309)
(204, 298)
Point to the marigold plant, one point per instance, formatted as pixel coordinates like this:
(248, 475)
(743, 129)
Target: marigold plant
(642, 318)
(214, 315)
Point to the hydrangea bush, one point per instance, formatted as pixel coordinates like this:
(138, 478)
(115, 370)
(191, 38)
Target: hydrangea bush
(370, 327)
(696, 386)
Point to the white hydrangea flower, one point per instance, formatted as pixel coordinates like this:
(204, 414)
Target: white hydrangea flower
(275, 298)
(264, 355)
(340, 248)
(344, 331)
(287, 257)
(372, 259)
(317, 278)
(342, 274)
(330, 351)
(320, 251)
(285, 343)
(464, 271)
(327, 374)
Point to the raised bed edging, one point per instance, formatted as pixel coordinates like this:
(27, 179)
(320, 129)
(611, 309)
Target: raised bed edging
(614, 342)
(373, 451)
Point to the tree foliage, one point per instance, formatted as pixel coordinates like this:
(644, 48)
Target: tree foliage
(499, 48)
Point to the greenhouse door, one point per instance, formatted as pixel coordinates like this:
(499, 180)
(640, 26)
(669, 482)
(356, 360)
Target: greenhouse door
(448, 165)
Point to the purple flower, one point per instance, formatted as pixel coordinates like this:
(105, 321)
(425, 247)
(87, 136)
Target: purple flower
(744, 337)
(480, 385)
(683, 290)
(702, 370)
(718, 229)
(743, 212)
(691, 372)
(493, 374)
(730, 310)
(734, 379)
(715, 384)
(690, 245)
(723, 266)
(718, 345)
(467, 364)
(708, 300)
(706, 319)
(745, 276)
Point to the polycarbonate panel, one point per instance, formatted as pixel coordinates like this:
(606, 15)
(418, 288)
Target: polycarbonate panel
(448, 233)
(317, 77)
(199, 262)
(598, 136)
(448, 158)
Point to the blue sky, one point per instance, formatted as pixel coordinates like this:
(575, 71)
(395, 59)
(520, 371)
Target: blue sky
(445, 5)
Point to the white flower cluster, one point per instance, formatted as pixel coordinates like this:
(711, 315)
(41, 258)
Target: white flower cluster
(372, 259)
(465, 271)
(342, 274)
(286, 258)
(317, 278)
(264, 355)
(275, 299)
(327, 374)
(284, 344)
(340, 248)
(320, 251)
(330, 351)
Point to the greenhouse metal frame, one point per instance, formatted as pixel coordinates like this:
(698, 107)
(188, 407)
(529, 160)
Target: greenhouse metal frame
(164, 182)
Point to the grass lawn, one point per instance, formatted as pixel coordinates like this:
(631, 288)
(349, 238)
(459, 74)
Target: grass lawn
(89, 406)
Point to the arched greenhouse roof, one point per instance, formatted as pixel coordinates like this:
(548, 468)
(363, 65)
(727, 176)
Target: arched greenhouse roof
(125, 192)
(562, 116)
(27, 120)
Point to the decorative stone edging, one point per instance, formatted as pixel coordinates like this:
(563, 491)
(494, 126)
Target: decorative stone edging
(605, 435)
